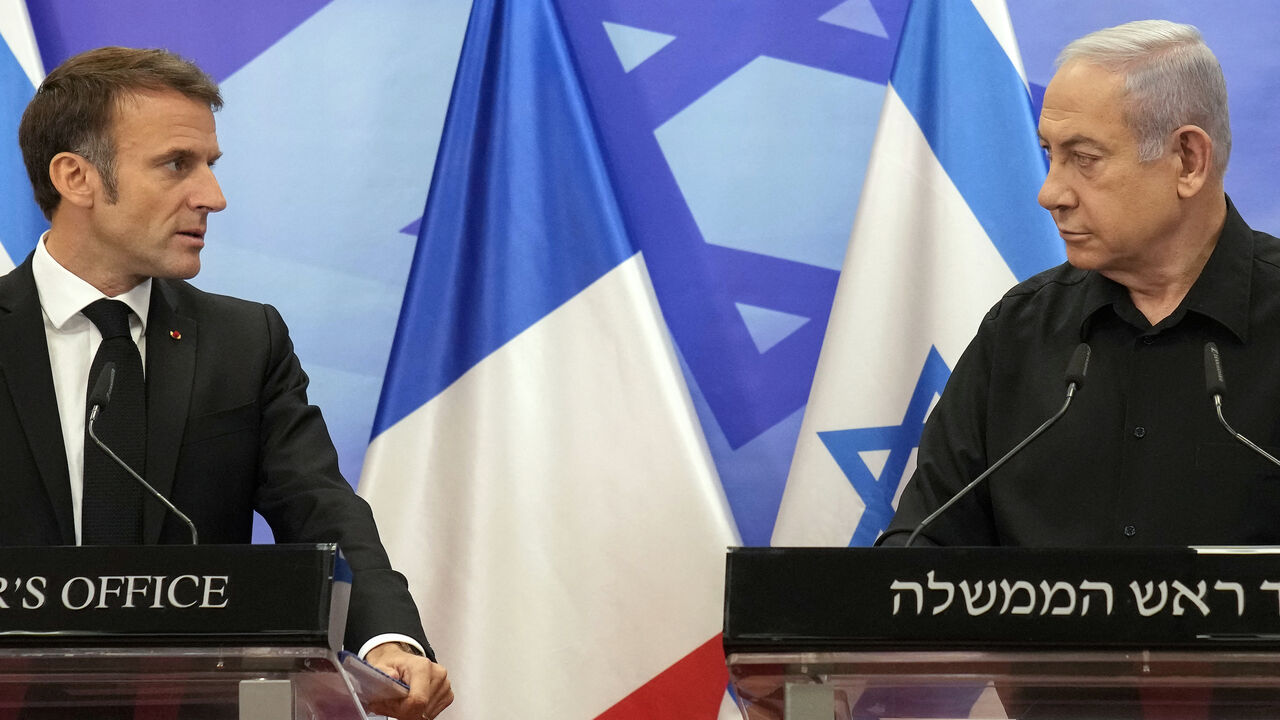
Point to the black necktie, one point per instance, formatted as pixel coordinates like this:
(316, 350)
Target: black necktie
(111, 512)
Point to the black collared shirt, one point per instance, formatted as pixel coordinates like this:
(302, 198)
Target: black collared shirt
(1140, 457)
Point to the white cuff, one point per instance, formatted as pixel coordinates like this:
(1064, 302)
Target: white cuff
(377, 640)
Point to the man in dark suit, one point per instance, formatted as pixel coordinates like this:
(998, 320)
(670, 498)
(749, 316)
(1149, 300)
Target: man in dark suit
(120, 145)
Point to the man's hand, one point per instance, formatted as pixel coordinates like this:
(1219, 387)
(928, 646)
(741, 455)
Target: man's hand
(429, 691)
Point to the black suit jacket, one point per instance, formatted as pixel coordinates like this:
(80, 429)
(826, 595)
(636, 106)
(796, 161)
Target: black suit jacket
(229, 431)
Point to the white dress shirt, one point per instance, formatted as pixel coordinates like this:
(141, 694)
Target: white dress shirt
(73, 341)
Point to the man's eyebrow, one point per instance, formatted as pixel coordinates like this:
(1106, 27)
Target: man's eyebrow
(180, 153)
(1076, 141)
(174, 153)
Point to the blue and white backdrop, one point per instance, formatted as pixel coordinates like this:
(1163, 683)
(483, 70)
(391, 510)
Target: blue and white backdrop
(643, 386)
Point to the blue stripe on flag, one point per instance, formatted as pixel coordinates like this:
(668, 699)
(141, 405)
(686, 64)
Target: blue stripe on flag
(521, 215)
(972, 111)
(20, 220)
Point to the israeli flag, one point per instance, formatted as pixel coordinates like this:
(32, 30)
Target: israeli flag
(20, 73)
(947, 222)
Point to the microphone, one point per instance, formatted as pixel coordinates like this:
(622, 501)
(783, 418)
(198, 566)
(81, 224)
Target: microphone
(1216, 384)
(1076, 369)
(99, 396)
(101, 393)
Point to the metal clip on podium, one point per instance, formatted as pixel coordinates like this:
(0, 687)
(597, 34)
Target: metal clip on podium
(239, 632)
(817, 634)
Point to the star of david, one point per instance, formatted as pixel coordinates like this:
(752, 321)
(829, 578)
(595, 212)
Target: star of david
(877, 490)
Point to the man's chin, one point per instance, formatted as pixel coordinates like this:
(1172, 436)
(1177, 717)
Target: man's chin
(179, 271)
(1082, 260)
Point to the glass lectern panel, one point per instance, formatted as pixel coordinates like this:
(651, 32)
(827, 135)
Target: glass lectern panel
(1028, 685)
(236, 683)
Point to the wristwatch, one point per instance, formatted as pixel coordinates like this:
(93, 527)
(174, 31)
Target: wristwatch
(410, 649)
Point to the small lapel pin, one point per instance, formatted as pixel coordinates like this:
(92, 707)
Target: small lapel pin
(175, 334)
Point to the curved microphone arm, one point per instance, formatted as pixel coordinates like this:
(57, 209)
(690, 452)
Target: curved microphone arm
(1217, 404)
(1216, 384)
(1071, 391)
(93, 417)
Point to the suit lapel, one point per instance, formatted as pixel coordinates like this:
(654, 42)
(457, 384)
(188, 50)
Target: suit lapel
(25, 374)
(171, 364)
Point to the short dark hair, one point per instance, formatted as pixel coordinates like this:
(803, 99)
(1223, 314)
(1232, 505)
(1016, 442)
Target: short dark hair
(73, 109)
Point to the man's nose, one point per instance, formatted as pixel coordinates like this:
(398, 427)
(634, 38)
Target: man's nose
(208, 193)
(1055, 192)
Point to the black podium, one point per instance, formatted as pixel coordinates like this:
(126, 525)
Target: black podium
(821, 633)
(237, 632)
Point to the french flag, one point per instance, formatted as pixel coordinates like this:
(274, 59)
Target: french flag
(537, 469)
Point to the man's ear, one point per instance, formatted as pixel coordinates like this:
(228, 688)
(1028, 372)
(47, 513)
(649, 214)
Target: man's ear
(1194, 149)
(75, 178)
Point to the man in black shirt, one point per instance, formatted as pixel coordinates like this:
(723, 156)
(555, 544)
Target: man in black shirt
(1136, 129)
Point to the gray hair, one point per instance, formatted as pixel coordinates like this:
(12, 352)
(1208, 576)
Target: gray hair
(100, 150)
(1171, 79)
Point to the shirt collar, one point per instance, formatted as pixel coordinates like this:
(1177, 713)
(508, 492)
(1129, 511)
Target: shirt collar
(1223, 288)
(1100, 292)
(63, 294)
(1221, 292)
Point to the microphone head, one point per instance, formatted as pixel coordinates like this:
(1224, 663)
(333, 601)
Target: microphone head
(1079, 365)
(101, 393)
(1214, 381)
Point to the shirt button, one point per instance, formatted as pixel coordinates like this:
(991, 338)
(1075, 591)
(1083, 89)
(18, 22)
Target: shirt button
(1148, 339)
(1139, 432)
(1130, 531)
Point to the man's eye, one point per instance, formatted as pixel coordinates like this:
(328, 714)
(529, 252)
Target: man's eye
(175, 165)
(1085, 160)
